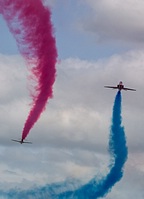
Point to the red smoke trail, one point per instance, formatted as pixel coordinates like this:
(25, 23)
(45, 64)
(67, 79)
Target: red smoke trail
(30, 23)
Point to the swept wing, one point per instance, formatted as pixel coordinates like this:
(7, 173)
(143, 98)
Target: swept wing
(114, 87)
(130, 89)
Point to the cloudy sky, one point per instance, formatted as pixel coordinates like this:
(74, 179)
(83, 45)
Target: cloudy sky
(99, 42)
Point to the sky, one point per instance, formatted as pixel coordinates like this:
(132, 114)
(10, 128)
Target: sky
(99, 42)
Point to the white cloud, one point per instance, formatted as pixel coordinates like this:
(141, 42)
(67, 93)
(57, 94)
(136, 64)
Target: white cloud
(116, 20)
(71, 137)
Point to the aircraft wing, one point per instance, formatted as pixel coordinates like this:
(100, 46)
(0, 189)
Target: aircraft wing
(16, 140)
(129, 89)
(27, 142)
(114, 87)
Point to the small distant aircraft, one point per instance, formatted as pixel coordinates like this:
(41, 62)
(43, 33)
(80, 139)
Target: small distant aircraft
(21, 141)
(120, 87)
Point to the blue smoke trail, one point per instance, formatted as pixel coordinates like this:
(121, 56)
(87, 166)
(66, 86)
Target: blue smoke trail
(94, 188)
(118, 151)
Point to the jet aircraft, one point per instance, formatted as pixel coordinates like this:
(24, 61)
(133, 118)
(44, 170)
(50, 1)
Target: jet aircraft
(21, 141)
(120, 87)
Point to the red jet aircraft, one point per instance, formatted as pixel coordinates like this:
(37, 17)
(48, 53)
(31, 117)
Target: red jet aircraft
(21, 141)
(120, 87)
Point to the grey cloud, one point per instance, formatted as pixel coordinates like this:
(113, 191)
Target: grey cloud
(71, 136)
(131, 185)
(79, 115)
(116, 20)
